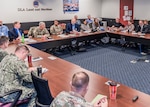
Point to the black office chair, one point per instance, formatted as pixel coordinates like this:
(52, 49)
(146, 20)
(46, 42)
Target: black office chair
(17, 93)
(44, 97)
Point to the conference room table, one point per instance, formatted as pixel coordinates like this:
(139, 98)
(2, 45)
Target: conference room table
(59, 40)
(60, 72)
(132, 37)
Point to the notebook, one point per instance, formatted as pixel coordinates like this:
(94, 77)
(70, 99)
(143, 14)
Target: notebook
(99, 97)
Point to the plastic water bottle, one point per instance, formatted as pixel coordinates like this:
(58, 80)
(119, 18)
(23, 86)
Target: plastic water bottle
(22, 38)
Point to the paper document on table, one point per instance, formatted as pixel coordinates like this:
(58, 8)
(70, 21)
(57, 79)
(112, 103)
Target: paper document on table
(36, 59)
(71, 35)
(134, 33)
(141, 34)
(52, 58)
(124, 31)
(29, 40)
(98, 98)
(63, 36)
(87, 31)
(50, 38)
(44, 70)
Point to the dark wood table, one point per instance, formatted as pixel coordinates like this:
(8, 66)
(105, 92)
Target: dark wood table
(59, 76)
(57, 41)
(132, 37)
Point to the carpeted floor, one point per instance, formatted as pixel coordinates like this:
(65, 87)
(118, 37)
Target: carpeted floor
(111, 62)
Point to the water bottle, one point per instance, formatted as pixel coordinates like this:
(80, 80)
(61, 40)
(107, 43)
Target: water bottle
(22, 38)
(39, 71)
(30, 60)
(128, 31)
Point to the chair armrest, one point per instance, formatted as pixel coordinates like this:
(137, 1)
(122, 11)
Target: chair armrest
(39, 104)
(11, 92)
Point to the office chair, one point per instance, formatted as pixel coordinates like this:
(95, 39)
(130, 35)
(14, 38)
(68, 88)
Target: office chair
(44, 97)
(16, 99)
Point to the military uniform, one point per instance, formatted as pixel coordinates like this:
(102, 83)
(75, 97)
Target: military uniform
(2, 54)
(31, 31)
(69, 99)
(15, 75)
(40, 32)
(55, 30)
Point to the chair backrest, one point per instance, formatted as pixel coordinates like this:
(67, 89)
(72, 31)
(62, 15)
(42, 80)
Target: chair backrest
(43, 92)
(16, 98)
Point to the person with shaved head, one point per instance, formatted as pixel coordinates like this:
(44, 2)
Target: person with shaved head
(75, 98)
(15, 74)
(4, 42)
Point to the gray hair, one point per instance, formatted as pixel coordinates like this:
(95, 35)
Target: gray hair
(41, 23)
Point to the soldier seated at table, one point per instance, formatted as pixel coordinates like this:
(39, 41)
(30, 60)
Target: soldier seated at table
(4, 42)
(41, 31)
(75, 98)
(56, 29)
(16, 75)
(31, 31)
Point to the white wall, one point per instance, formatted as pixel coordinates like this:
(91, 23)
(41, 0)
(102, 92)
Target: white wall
(97, 8)
(110, 8)
(141, 9)
(9, 10)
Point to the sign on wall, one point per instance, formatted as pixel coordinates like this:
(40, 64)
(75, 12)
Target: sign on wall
(37, 6)
(70, 5)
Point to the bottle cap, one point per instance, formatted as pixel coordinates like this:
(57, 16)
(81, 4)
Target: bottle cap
(113, 84)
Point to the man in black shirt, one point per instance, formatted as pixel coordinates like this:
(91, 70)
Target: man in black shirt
(117, 26)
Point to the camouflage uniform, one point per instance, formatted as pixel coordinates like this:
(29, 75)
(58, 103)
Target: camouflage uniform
(69, 99)
(39, 33)
(2, 54)
(15, 75)
(31, 31)
(56, 29)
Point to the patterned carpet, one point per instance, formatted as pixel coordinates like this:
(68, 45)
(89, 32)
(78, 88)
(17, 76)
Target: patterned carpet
(111, 62)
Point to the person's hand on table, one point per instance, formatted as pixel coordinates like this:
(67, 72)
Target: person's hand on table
(76, 32)
(32, 69)
(19, 38)
(139, 33)
(71, 32)
(30, 37)
(101, 103)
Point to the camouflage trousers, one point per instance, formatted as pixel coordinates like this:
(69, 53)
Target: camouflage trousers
(26, 93)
